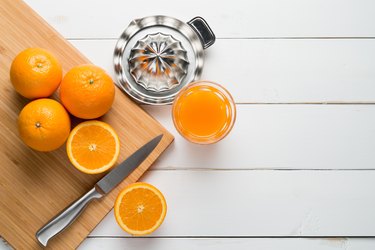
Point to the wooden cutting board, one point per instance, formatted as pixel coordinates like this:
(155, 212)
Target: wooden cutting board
(35, 186)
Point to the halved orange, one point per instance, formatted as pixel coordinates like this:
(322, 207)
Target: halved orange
(140, 209)
(93, 147)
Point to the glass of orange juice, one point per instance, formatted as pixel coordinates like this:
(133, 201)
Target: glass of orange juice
(204, 112)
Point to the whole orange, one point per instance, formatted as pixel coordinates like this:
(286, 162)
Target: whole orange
(35, 73)
(87, 91)
(44, 124)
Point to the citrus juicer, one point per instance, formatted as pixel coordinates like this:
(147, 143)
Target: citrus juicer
(156, 56)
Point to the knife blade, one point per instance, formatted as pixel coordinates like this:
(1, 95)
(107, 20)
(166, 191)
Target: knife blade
(113, 178)
(101, 188)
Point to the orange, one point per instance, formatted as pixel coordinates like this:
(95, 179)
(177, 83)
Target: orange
(140, 208)
(44, 124)
(35, 73)
(87, 91)
(93, 147)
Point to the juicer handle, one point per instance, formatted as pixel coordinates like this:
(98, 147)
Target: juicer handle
(204, 32)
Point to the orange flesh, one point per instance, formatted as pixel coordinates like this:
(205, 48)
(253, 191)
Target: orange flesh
(140, 209)
(203, 111)
(93, 147)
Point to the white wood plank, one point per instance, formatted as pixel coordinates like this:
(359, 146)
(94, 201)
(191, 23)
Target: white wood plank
(279, 71)
(240, 18)
(4, 245)
(282, 137)
(261, 203)
(224, 244)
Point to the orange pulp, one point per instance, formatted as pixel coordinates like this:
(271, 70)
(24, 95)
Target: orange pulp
(204, 112)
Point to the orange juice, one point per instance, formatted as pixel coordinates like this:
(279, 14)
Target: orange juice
(204, 112)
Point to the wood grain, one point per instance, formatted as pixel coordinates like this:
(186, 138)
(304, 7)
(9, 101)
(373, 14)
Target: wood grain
(260, 203)
(279, 71)
(229, 19)
(274, 69)
(281, 137)
(36, 186)
(228, 243)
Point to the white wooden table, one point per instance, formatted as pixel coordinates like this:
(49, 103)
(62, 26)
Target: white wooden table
(297, 171)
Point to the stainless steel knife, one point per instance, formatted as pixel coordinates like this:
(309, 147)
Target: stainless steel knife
(101, 188)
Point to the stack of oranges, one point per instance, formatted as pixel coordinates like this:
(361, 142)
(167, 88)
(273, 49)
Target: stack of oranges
(86, 92)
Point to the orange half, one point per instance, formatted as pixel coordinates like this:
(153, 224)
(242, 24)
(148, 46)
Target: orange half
(140, 209)
(93, 147)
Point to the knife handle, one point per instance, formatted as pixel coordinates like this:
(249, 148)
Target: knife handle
(65, 217)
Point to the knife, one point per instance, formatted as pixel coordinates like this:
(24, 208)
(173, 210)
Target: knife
(101, 188)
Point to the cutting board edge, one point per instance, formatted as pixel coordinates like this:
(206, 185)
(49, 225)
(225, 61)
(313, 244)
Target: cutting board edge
(80, 57)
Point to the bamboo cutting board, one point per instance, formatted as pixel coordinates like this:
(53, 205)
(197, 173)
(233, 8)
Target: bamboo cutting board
(35, 186)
